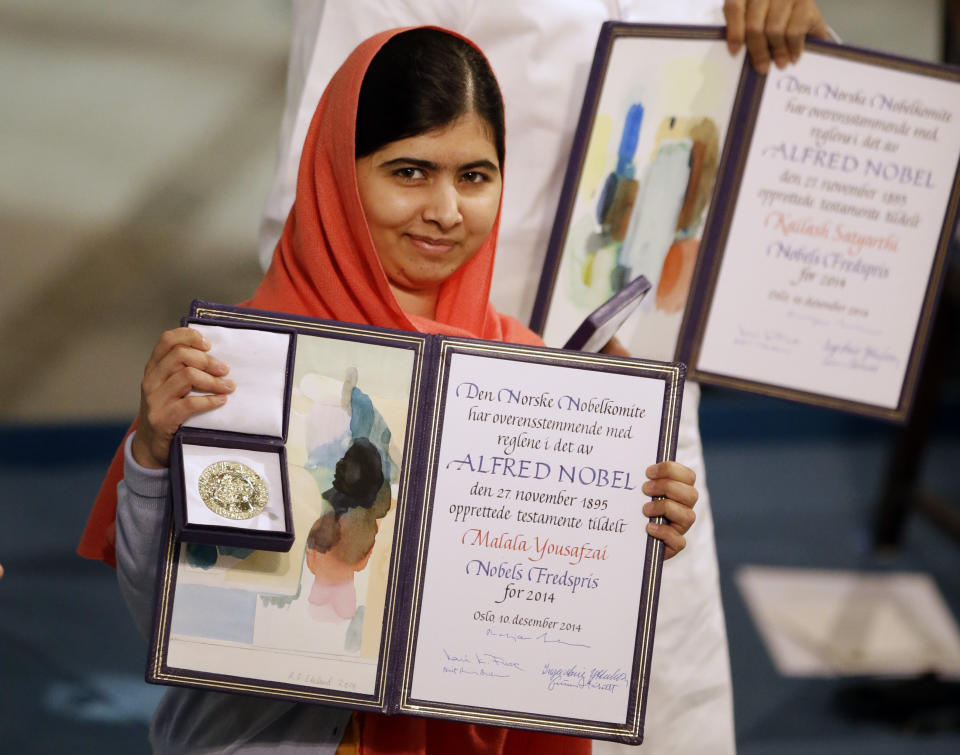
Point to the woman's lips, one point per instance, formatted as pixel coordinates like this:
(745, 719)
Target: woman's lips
(432, 245)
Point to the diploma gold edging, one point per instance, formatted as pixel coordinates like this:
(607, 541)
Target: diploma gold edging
(279, 689)
(670, 373)
(419, 565)
(163, 605)
(668, 451)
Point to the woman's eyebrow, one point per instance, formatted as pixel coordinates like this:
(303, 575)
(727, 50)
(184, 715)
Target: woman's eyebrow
(408, 161)
(428, 165)
(480, 164)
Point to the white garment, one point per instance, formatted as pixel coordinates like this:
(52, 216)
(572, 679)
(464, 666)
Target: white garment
(541, 51)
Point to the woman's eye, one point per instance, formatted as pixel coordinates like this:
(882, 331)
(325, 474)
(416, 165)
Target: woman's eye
(409, 174)
(475, 177)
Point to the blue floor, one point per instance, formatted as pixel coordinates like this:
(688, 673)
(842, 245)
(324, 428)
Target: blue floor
(790, 486)
(803, 496)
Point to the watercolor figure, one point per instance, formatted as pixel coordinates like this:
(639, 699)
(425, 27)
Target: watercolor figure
(648, 220)
(341, 540)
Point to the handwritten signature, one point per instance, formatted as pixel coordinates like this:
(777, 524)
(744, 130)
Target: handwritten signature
(812, 319)
(575, 677)
(768, 339)
(856, 356)
(479, 664)
(543, 637)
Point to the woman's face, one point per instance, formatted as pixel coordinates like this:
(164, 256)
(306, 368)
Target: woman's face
(430, 201)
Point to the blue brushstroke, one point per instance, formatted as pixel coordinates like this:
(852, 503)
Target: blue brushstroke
(367, 422)
(354, 636)
(215, 613)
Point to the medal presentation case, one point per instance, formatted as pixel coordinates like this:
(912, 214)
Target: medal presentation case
(228, 465)
(469, 541)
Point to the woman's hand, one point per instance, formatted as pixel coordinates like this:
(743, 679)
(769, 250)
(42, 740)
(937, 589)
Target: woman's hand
(179, 364)
(772, 29)
(674, 482)
(671, 480)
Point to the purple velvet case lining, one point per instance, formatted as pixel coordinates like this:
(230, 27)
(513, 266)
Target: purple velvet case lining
(393, 695)
(234, 533)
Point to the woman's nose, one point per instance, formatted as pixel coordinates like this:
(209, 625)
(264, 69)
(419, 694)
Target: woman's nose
(443, 206)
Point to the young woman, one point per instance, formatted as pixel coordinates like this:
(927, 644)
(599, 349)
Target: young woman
(394, 224)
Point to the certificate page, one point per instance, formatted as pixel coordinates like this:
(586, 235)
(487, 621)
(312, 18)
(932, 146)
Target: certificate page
(837, 224)
(535, 553)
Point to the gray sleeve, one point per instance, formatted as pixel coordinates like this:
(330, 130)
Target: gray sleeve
(191, 720)
(143, 511)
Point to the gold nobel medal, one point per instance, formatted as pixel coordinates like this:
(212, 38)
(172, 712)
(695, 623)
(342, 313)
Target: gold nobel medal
(232, 490)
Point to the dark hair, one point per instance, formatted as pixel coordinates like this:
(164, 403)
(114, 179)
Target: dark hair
(422, 80)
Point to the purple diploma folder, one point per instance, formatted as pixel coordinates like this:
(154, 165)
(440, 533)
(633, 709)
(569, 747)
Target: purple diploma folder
(466, 526)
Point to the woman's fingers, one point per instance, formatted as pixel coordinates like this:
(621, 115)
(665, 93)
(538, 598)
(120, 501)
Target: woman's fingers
(187, 379)
(671, 487)
(672, 470)
(680, 492)
(170, 339)
(680, 517)
(188, 406)
(673, 541)
(172, 403)
(181, 379)
(189, 356)
(178, 356)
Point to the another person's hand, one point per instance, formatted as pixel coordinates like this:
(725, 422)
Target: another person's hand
(772, 29)
(675, 482)
(615, 348)
(179, 364)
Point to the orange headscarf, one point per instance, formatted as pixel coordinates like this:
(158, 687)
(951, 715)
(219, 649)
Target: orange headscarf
(325, 265)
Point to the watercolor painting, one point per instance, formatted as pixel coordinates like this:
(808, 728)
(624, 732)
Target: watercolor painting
(645, 183)
(326, 596)
(341, 541)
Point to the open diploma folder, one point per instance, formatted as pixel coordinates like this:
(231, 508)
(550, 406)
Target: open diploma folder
(505, 577)
(794, 226)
